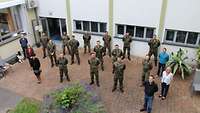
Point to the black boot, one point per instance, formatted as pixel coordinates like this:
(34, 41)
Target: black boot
(129, 58)
(113, 89)
(91, 82)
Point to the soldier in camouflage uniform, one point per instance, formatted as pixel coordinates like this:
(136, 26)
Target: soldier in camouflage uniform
(107, 43)
(86, 39)
(147, 66)
(100, 52)
(94, 63)
(74, 44)
(62, 64)
(116, 53)
(119, 74)
(65, 40)
(44, 41)
(51, 48)
(154, 43)
(127, 43)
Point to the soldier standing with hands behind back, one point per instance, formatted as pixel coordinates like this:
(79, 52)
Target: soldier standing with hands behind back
(94, 63)
(119, 68)
(154, 43)
(147, 66)
(44, 41)
(74, 44)
(65, 40)
(127, 45)
(62, 64)
(86, 39)
(51, 48)
(107, 43)
(100, 52)
(116, 53)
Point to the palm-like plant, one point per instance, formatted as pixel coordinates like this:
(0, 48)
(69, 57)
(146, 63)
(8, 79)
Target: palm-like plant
(177, 63)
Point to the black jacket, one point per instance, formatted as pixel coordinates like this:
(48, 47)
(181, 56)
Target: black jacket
(36, 64)
(150, 89)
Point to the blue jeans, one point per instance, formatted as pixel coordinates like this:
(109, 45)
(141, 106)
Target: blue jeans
(148, 102)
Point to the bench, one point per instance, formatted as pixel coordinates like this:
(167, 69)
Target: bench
(196, 82)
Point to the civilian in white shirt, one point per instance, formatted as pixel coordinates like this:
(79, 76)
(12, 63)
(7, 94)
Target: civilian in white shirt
(166, 79)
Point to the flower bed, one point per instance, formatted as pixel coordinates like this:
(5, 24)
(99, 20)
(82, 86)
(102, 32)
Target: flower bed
(73, 99)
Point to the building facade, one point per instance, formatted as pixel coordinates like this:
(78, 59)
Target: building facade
(15, 17)
(174, 21)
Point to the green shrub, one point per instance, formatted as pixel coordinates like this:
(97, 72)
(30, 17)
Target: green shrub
(69, 96)
(27, 106)
(177, 63)
(78, 99)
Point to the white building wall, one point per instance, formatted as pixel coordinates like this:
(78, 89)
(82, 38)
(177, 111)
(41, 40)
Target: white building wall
(90, 10)
(180, 15)
(52, 8)
(183, 15)
(137, 12)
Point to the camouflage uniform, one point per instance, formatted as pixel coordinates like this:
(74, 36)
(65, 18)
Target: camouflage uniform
(62, 64)
(74, 44)
(127, 43)
(147, 66)
(119, 74)
(51, 48)
(94, 63)
(44, 41)
(65, 40)
(116, 53)
(86, 39)
(153, 49)
(100, 51)
(107, 43)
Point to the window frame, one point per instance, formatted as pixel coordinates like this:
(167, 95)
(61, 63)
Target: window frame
(17, 23)
(144, 38)
(90, 27)
(185, 44)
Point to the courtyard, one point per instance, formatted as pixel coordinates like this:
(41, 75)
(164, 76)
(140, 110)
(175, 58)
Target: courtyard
(22, 81)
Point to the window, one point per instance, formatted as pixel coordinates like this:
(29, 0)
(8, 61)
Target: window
(180, 37)
(120, 29)
(135, 31)
(130, 30)
(10, 23)
(102, 27)
(94, 26)
(192, 38)
(170, 35)
(149, 32)
(91, 26)
(139, 32)
(78, 25)
(86, 26)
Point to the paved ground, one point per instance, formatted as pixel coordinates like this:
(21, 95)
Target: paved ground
(8, 99)
(179, 100)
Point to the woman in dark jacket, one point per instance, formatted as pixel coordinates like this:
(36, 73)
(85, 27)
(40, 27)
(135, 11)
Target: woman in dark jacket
(36, 67)
(29, 54)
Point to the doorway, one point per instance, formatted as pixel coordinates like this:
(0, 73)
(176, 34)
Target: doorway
(54, 27)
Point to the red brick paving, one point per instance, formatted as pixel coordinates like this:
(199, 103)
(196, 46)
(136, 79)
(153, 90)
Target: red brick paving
(179, 100)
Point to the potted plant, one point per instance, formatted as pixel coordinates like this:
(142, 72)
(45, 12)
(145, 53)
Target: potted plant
(178, 64)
